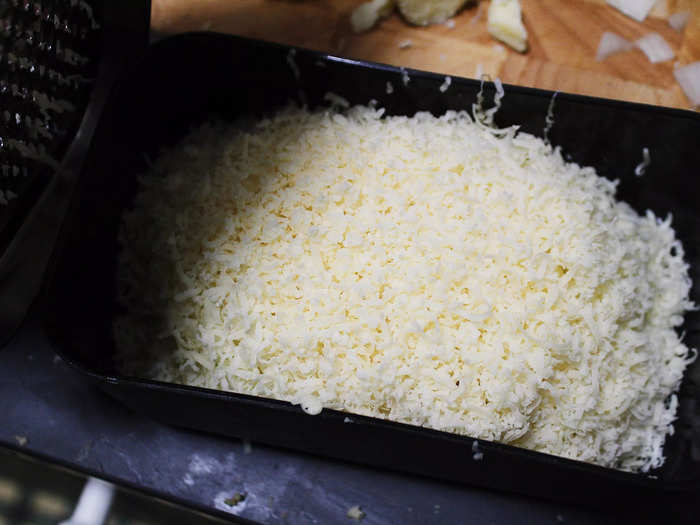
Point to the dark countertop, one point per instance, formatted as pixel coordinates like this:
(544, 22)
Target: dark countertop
(61, 417)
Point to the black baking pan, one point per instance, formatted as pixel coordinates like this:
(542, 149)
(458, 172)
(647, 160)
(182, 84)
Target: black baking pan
(187, 79)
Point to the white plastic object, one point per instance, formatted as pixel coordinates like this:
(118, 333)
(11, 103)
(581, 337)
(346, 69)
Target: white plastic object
(93, 505)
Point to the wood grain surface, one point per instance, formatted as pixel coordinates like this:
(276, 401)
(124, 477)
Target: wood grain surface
(563, 36)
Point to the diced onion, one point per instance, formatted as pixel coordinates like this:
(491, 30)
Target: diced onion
(679, 20)
(689, 79)
(610, 44)
(637, 9)
(655, 48)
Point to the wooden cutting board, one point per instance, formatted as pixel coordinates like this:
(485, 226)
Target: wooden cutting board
(563, 36)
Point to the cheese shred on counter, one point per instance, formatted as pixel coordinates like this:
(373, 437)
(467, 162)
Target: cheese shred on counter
(423, 270)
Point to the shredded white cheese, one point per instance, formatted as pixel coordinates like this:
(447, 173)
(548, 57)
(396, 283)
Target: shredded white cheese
(425, 270)
(641, 168)
(404, 76)
(446, 84)
(549, 118)
(477, 454)
(293, 63)
(336, 100)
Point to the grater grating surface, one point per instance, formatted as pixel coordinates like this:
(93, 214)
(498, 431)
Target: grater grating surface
(49, 52)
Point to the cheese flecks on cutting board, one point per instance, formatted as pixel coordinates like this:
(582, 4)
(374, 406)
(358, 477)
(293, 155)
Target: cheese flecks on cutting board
(423, 270)
(505, 22)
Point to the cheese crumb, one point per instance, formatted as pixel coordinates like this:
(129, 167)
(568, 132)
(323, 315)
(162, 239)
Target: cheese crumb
(426, 12)
(404, 77)
(428, 270)
(366, 15)
(505, 22)
(293, 63)
(642, 166)
(355, 512)
(446, 84)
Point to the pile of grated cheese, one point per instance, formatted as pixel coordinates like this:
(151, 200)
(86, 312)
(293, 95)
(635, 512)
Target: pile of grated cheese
(424, 270)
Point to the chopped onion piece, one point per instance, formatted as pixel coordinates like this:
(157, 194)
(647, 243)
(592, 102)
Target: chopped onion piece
(611, 43)
(405, 44)
(679, 20)
(637, 9)
(655, 48)
(689, 79)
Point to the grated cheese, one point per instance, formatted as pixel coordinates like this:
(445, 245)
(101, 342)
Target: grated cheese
(446, 84)
(425, 270)
(641, 168)
(404, 76)
(293, 63)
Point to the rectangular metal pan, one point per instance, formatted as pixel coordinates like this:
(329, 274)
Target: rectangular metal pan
(185, 80)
